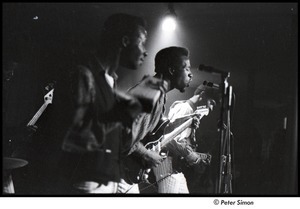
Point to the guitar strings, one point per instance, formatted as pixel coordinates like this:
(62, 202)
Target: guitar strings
(37, 115)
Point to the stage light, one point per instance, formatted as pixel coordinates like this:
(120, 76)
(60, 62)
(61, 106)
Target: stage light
(169, 21)
(169, 24)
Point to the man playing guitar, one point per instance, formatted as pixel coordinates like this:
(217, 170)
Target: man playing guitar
(169, 175)
(172, 65)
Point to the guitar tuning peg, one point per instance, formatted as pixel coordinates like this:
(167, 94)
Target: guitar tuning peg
(50, 86)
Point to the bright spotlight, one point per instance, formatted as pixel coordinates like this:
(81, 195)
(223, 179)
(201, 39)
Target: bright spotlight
(169, 24)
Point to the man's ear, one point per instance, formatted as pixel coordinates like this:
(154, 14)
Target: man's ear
(125, 41)
(171, 71)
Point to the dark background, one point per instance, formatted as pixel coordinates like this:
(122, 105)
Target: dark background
(255, 42)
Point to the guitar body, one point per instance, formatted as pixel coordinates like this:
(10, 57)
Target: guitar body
(137, 170)
(135, 167)
(152, 140)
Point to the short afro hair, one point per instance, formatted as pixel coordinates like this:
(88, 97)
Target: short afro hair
(169, 57)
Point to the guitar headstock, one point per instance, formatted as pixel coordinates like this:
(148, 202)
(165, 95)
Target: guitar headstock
(49, 96)
(205, 157)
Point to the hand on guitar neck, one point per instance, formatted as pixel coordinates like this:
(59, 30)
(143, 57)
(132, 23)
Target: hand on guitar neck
(21, 133)
(31, 129)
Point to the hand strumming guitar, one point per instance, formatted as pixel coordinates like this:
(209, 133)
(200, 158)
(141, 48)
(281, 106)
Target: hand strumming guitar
(151, 158)
(31, 129)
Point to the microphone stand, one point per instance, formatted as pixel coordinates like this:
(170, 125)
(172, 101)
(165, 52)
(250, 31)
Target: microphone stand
(224, 185)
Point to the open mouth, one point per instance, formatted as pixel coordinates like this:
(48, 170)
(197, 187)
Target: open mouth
(188, 84)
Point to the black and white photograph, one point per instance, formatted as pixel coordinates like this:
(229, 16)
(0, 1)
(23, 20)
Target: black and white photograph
(143, 99)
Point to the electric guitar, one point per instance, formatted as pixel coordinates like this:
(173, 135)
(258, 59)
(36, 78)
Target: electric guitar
(136, 169)
(47, 100)
(16, 147)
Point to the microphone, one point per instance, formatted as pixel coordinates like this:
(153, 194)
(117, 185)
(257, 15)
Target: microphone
(212, 70)
(212, 85)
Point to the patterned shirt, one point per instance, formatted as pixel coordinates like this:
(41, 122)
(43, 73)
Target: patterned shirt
(94, 138)
(146, 122)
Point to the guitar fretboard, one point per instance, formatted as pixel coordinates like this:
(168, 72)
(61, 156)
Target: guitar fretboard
(169, 137)
(37, 115)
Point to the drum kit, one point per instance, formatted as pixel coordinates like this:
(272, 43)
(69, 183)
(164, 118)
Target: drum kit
(9, 164)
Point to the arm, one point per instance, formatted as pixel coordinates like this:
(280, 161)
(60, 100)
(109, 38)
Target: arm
(82, 89)
(144, 124)
(178, 110)
(140, 128)
(152, 158)
(180, 146)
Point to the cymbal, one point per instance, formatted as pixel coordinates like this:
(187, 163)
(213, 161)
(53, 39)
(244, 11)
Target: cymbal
(12, 163)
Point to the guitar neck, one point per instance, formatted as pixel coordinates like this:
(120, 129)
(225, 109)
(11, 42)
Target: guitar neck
(170, 136)
(37, 115)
